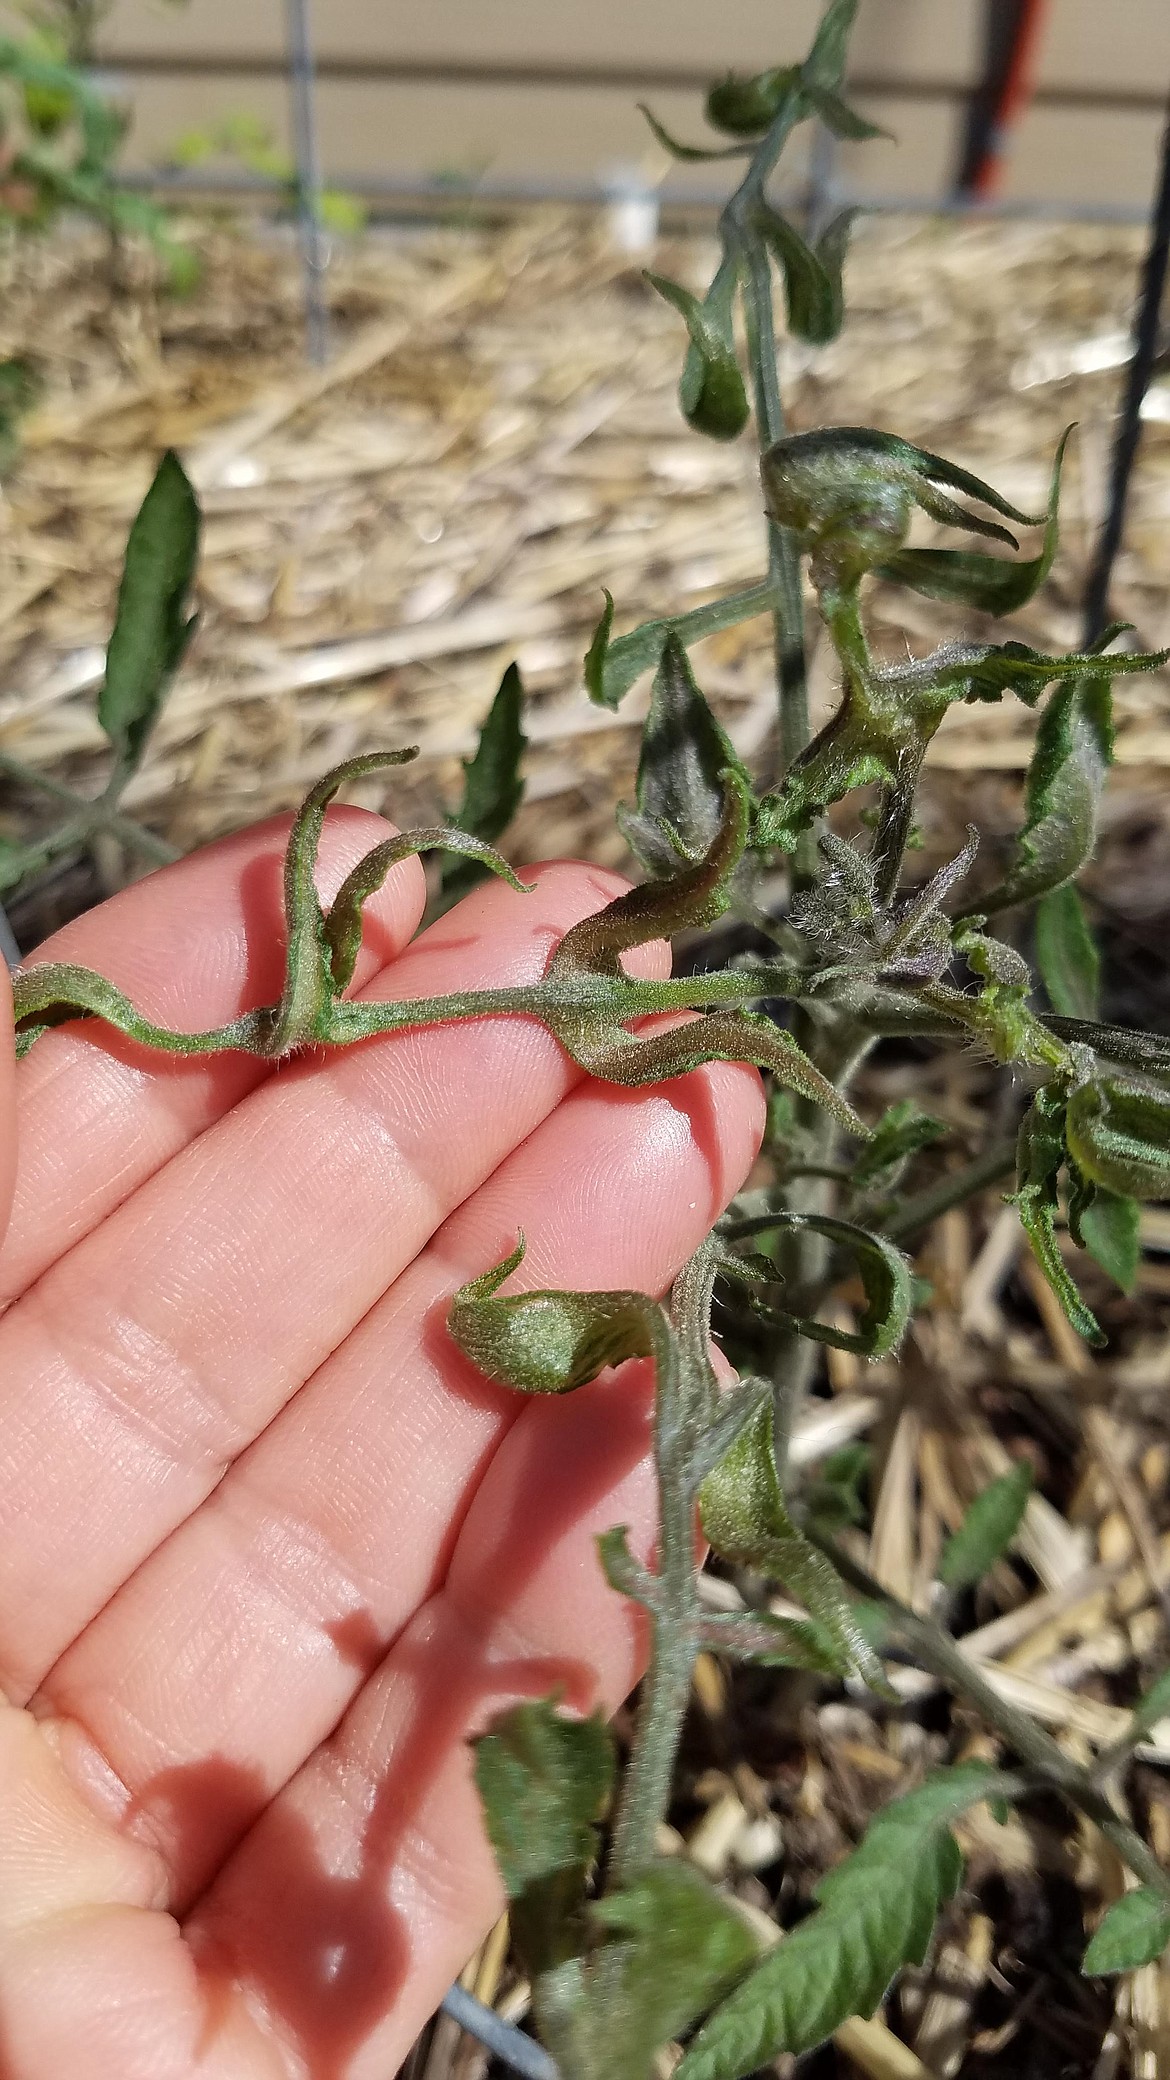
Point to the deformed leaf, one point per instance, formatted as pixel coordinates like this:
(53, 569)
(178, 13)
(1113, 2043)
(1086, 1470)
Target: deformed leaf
(550, 1342)
(833, 1497)
(886, 1281)
(545, 1781)
(689, 153)
(151, 630)
(993, 584)
(1118, 1134)
(492, 784)
(1066, 954)
(773, 1641)
(1040, 1154)
(987, 1529)
(1134, 1932)
(837, 116)
(746, 1520)
(811, 298)
(343, 925)
(744, 107)
(876, 1913)
(712, 394)
(1148, 1052)
(685, 754)
(674, 1947)
(1062, 793)
(611, 668)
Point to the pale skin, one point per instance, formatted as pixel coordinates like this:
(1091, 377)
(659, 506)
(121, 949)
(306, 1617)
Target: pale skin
(270, 1551)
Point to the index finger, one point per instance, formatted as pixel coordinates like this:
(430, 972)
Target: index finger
(191, 945)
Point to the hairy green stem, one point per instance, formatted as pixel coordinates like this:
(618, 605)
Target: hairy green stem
(936, 1651)
(926, 1207)
(666, 1686)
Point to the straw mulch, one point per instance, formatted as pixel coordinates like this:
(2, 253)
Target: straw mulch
(494, 439)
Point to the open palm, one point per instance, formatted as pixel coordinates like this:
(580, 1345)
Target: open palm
(269, 1549)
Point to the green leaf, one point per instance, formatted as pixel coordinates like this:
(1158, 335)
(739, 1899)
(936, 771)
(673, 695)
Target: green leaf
(689, 153)
(1110, 1231)
(774, 1642)
(812, 299)
(987, 1529)
(899, 1134)
(343, 926)
(612, 668)
(824, 66)
(837, 116)
(1066, 954)
(1150, 1708)
(492, 785)
(548, 1342)
(545, 1782)
(1062, 794)
(684, 755)
(1134, 1932)
(1040, 1154)
(745, 1519)
(674, 1947)
(877, 1913)
(990, 583)
(1118, 1135)
(712, 393)
(1149, 1052)
(886, 1282)
(833, 1497)
(151, 631)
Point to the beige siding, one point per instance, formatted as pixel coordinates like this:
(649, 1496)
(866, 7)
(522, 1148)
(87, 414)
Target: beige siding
(575, 131)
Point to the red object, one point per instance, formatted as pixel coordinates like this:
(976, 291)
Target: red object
(1012, 99)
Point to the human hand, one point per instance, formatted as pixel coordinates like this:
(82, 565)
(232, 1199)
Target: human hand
(270, 1551)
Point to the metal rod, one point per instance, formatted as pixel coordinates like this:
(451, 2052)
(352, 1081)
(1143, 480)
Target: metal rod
(314, 253)
(8, 945)
(502, 2039)
(1137, 382)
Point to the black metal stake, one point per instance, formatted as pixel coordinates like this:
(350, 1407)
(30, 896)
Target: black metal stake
(1137, 382)
(314, 255)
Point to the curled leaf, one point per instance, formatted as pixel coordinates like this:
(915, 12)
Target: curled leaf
(1041, 1152)
(812, 298)
(993, 584)
(550, 1342)
(744, 107)
(1118, 1134)
(684, 756)
(746, 1520)
(712, 394)
(689, 153)
(1066, 954)
(343, 925)
(673, 1947)
(545, 1782)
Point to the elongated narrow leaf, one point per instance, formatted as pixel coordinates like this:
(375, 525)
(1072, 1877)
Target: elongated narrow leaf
(745, 1519)
(1066, 954)
(1150, 1708)
(1041, 1152)
(837, 116)
(674, 1947)
(1111, 1232)
(545, 1782)
(877, 1913)
(1135, 1932)
(809, 294)
(899, 1134)
(548, 1342)
(987, 1530)
(492, 784)
(1149, 1052)
(689, 153)
(685, 754)
(712, 394)
(886, 1281)
(993, 584)
(151, 630)
(775, 1642)
(611, 668)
